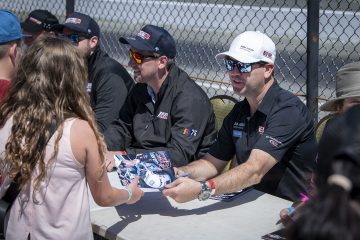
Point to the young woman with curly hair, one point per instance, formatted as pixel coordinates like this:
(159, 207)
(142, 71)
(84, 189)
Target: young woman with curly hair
(50, 86)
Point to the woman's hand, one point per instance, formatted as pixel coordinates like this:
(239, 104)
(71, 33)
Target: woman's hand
(137, 193)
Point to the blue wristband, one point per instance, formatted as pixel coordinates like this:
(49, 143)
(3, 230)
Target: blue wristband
(291, 209)
(129, 193)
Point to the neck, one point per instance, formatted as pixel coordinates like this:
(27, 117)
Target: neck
(255, 101)
(156, 85)
(7, 69)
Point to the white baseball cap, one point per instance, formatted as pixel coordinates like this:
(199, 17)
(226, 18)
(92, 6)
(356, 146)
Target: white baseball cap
(251, 47)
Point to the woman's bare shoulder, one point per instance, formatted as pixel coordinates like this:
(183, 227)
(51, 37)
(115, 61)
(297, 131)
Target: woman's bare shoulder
(82, 127)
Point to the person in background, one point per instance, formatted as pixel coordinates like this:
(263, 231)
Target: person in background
(109, 83)
(334, 212)
(347, 91)
(166, 110)
(39, 25)
(54, 170)
(10, 48)
(347, 95)
(271, 132)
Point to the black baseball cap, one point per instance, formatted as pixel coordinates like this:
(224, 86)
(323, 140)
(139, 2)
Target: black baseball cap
(81, 23)
(152, 39)
(39, 20)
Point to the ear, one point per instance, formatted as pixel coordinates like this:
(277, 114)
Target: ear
(163, 61)
(13, 52)
(269, 68)
(93, 41)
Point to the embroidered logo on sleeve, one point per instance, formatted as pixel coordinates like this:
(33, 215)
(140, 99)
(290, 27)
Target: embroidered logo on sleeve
(163, 115)
(189, 132)
(273, 141)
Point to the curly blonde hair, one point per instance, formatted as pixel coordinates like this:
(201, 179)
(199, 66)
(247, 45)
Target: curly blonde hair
(50, 84)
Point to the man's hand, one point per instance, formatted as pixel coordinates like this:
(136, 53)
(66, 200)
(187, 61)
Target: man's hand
(183, 189)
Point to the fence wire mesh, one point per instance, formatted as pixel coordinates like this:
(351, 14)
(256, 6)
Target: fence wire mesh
(204, 28)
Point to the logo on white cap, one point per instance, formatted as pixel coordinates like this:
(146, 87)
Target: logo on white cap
(250, 47)
(245, 48)
(267, 54)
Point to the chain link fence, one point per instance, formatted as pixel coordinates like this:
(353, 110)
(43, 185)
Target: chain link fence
(204, 28)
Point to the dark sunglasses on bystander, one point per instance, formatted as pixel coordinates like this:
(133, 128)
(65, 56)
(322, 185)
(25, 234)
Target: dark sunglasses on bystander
(74, 38)
(243, 67)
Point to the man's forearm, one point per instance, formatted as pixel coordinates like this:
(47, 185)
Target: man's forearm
(247, 174)
(235, 179)
(200, 170)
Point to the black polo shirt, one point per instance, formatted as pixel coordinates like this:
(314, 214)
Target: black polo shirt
(283, 127)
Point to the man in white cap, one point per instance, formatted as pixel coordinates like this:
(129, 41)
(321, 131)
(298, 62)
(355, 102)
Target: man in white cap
(271, 132)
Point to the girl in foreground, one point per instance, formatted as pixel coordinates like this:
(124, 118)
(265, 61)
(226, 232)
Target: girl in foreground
(50, 86)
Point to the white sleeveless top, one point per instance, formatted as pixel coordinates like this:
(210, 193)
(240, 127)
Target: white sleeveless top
(60, 209)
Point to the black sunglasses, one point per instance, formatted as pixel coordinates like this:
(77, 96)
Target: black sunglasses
(74, 37)
(243, 67)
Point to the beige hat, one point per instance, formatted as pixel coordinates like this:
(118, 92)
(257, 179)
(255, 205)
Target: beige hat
(347, 85)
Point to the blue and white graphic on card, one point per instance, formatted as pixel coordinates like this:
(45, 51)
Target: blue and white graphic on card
(273, 141)
(189, 132)
(163, 115)
(153, 168)
(88, 87)
(238, 129)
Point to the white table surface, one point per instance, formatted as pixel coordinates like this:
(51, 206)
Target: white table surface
(155, 216)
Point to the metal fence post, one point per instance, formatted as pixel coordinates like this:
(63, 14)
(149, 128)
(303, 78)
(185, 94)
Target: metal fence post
(312, 68)
(70, 7)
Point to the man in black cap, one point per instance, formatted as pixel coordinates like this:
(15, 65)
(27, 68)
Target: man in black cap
(109, 82)
(38, 24)
(166, 110)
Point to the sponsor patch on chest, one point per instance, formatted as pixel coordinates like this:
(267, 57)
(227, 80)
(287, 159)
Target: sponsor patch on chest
(239, 126)
(237, 134)
(238, 129)
(163, 115)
